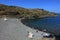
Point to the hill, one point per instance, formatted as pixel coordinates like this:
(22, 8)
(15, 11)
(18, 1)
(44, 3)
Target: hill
(20, 12)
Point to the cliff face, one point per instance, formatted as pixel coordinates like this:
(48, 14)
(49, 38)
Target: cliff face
(24, 12)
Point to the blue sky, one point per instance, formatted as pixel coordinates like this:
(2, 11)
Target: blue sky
(50, 5)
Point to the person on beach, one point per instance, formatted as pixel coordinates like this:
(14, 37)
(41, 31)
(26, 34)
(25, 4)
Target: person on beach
(45, 35)
(30, 35)
(5, 19)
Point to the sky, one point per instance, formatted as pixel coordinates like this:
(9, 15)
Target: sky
(50, 5)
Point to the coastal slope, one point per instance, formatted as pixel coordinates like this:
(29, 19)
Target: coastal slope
(21, 12)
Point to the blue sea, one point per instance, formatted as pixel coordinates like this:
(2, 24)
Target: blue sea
(51, 24)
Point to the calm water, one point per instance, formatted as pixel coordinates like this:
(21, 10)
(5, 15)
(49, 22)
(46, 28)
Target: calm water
(51, 24)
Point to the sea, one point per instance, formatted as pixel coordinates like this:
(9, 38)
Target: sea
(50, 24)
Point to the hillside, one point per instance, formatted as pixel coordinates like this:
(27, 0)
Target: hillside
(20, 12)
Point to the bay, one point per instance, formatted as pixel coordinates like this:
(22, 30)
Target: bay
(51, 24)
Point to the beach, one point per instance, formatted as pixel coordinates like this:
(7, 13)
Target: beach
(14, 29)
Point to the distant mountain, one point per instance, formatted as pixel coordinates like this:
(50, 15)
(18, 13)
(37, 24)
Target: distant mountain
(24, 12)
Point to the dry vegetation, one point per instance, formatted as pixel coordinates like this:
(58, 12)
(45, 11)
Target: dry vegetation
(20, 12)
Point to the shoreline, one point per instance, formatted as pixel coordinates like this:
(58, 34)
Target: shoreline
(15, 29)
(17, 16)
(41, 32)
